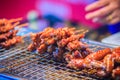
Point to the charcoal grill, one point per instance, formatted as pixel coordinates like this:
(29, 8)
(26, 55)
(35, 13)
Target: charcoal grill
(19, 62)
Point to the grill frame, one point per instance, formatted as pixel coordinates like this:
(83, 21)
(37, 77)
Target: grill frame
(32, 66)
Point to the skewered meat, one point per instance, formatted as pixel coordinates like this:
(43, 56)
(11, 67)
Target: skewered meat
(65, 41)
(90, 61)
(7, 25)
(64, 45)
(109, 62)
(99, 54)
(8, 33)
(116, 73)
(63, 38)
(42, 48)
(76, 45)
(11, 42)
(32, 47)
(116, 54)
(76, 63)
(101, 73)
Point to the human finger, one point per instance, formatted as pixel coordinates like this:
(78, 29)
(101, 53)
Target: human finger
(96, 5)
(100, 13)
(115, 20)
(114, 14)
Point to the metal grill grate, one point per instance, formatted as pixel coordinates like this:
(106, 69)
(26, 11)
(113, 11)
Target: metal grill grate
(32, 66)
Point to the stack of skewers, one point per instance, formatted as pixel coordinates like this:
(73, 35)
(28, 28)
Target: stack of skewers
(8, 32)
(64, 44)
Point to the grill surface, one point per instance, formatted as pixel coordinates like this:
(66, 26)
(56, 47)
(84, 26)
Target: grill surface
(19, 62)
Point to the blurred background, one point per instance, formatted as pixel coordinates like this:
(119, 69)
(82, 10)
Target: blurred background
(56, 13)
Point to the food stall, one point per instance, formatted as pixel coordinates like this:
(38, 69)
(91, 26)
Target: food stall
(45, 44)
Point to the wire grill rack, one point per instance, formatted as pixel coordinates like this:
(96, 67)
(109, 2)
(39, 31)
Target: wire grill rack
(21, 63)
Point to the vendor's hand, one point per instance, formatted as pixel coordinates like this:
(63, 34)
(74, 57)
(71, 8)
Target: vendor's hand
(109, 10)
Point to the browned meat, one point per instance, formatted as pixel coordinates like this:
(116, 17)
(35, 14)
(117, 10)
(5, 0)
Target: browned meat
(64, 45)
(8, 33)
